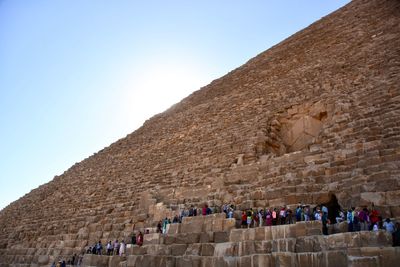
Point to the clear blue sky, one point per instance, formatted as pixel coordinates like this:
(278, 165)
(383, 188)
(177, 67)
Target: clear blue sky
(75, 76)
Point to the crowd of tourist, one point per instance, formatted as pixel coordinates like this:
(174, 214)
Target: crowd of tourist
(358, 219)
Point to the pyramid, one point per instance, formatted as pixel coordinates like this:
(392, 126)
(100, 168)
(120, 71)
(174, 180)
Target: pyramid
(314, 119)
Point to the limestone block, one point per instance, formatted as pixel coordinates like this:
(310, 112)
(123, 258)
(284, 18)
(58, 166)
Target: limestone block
(220, 237)
(246, 248)
(207, 249)
(245, 261)
(341, 241)
(189, 261)
(174, 228)
(259, 233)
(178, 249)
(393, 198)
(284, 259)
(229, 224)
(131, 260)
(95, 260)
(136, 250)
(206, 237)
(115, 261)
(310, 259)
(375, 239)
(308, 244)
(314, 228)
(193, 224)
(388, 256)
(335, 258)
(284, 245)
(229, 249)
(226, 262)
(363, 261)
(193, 249)
(249, 234)
(236, 235)
(187, 238)
(262, 260)
(263, 247)
(170, 239)
(157, 249)
(378, 198)
(151, 238)
(268, 232)
(43, 259)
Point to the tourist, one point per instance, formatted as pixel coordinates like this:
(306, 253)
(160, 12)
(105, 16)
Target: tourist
(230, 213)
(396, 235)
(53, 264)
(159, 227)
(99, 248)
(373, 216)
(116, 247)
(274, 217)
(133, 239)
(363, 218)
(244, 219)
(350, 220)
(109, 248)
(268, 217)
(282, 215)
(299, 212)
(260, 216)
(122, 248)
(389, 226)
(249, 217)
(139, 239)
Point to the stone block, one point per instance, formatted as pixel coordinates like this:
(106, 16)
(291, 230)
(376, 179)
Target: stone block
(262, 260)
(192, 224)
(206, 237)
(131, 260)
(335, 258)
(310, 259)
(375, 239)
(187, 238)
(284, 245)
(388, 256)
(43, 259)
(193, 249)
(308, 244)
(189, 261)
(217, 225)
(342, 241)
(259, 233)
(284, 259)
(228, 249)
(229, 224)
(263, 247)
(174, 228)
(95, 260)
(115, 261)
(207, 249)
(170, 239)
(236, 235)
(151, 238)
(245, 261)
(220, 237)
(136, 250)
(178, 249)
(246, 248)
(156, 249)
(363, 261)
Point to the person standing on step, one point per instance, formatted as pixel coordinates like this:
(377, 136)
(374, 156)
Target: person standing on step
(139, 239)
(122, 248)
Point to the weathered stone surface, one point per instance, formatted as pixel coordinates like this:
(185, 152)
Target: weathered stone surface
(312, 117)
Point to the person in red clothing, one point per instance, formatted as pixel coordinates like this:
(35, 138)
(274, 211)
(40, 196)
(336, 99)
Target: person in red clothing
(373, 217)
(139, 239)
(244, 219)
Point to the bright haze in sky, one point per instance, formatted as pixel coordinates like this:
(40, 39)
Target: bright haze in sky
(76, 76)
